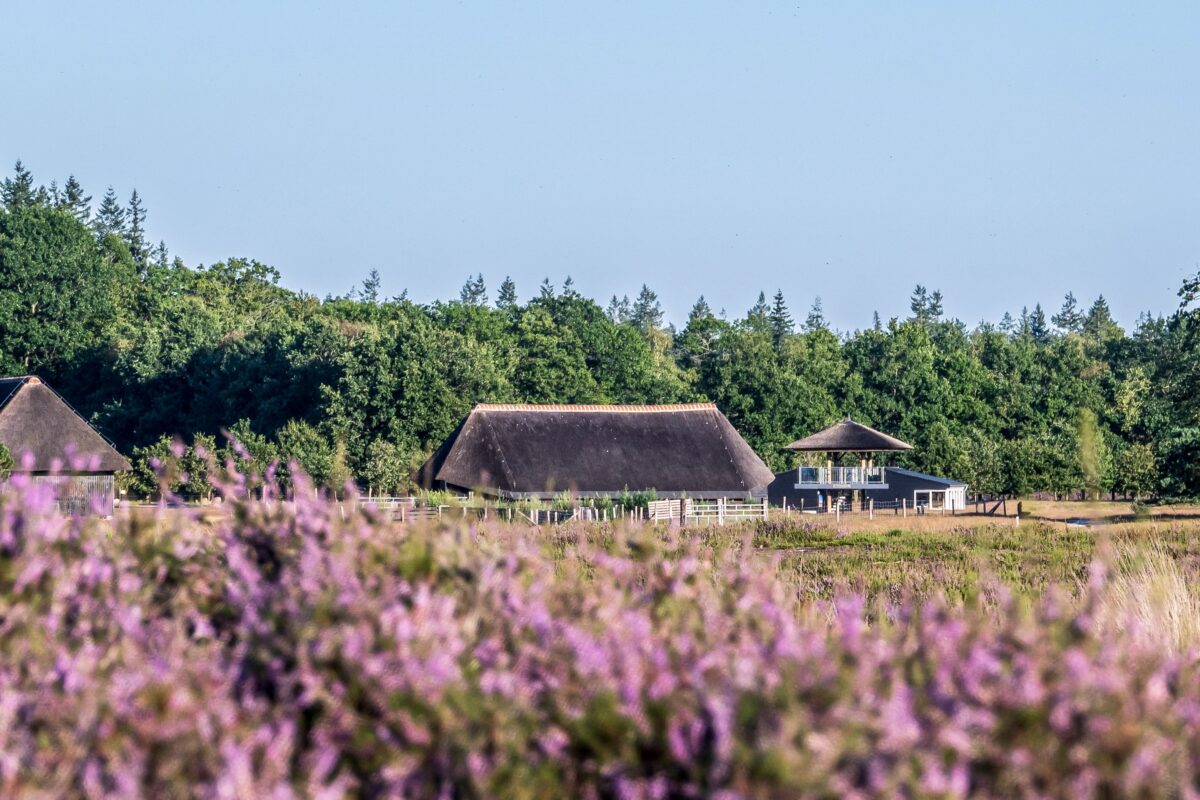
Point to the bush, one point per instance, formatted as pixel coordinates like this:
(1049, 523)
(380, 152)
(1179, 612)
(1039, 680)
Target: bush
(283, 649)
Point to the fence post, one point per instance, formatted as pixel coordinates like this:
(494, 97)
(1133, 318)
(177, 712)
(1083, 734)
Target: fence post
(871, 508)
(837, 510)
(766, 511)
(904, 505)
(720, 511)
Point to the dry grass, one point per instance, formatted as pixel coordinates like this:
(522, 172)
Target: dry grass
(1148, 597)
(1098, 514)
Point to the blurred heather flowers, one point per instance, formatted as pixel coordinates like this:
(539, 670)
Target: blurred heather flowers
(299, 649)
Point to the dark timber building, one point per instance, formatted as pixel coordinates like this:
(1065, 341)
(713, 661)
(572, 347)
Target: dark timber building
(40, 431)
(815, 485)
(540, 451)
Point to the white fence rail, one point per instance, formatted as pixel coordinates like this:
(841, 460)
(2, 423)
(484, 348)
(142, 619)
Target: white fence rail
(711, 512)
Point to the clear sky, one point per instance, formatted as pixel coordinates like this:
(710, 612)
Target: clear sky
(1002, 152)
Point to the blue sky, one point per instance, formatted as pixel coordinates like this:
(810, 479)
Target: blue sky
(1003, 153)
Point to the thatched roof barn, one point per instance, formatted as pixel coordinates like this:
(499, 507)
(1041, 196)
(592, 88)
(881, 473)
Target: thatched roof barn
(539, 451)
(39, 429)
(849, 436)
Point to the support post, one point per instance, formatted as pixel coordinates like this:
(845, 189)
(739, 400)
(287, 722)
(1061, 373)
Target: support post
(904, 505)
(871, 508)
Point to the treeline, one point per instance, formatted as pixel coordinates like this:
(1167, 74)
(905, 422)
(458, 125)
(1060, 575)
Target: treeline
(150, 348)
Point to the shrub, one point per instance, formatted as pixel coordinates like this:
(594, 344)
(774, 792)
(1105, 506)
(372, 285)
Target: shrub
(290, 650)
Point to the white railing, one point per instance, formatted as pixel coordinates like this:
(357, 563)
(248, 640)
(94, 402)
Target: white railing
(841, 476)
(719, 511)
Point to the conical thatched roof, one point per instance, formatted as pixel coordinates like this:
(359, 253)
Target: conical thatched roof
(35, 420)
(849, 436)
(598, 450)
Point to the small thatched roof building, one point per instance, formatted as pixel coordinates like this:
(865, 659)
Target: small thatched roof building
(38, 425)
(539, 451)
(849, 436)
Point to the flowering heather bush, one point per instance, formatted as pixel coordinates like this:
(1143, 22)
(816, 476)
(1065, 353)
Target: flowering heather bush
(284, 651)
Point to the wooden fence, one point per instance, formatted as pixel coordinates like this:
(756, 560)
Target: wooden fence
(706, 512)
(689, 511)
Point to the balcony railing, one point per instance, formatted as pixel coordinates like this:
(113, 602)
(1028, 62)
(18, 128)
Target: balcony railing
(847, 477)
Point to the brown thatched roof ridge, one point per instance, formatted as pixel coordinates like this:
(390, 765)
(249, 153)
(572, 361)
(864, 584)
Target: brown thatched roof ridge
(849, 436)
(35, 419)
(527, 450)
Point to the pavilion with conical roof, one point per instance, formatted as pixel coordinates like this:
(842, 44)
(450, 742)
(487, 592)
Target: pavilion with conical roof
(846, 436)
(818, 485)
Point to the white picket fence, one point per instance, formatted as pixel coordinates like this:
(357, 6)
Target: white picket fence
(707, 512)
(695, 512)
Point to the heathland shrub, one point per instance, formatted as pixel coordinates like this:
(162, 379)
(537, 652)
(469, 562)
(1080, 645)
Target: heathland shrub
(288, 649)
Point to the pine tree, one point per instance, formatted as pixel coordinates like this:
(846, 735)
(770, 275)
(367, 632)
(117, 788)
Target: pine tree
(1099, 324)
(546, 290)
(474, 292)
(75, 201)
(161, 255)
(935, 305)
(506, 300)
(646, 314)
(619, 311)
(1069, 319)
(815, 321)
(17, 191)
(756, 317)
(780, 319)
(110, 217)
(369, 293)
(1008, 325)
(1038, 329)
(135, 234)
(568, 289)
(699, 336)
(926, 306)
(919, 302)
(877, 324)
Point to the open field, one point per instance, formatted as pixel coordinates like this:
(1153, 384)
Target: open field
(962, 556)
(1092, 513)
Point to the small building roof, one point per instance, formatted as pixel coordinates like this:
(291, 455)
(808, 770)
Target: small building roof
(35, 420)
(518, 450)
(922, 476)
(849, 436)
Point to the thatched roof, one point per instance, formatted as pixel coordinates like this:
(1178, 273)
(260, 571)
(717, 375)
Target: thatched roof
(599, 450)
(849, 436)
(35, 420)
